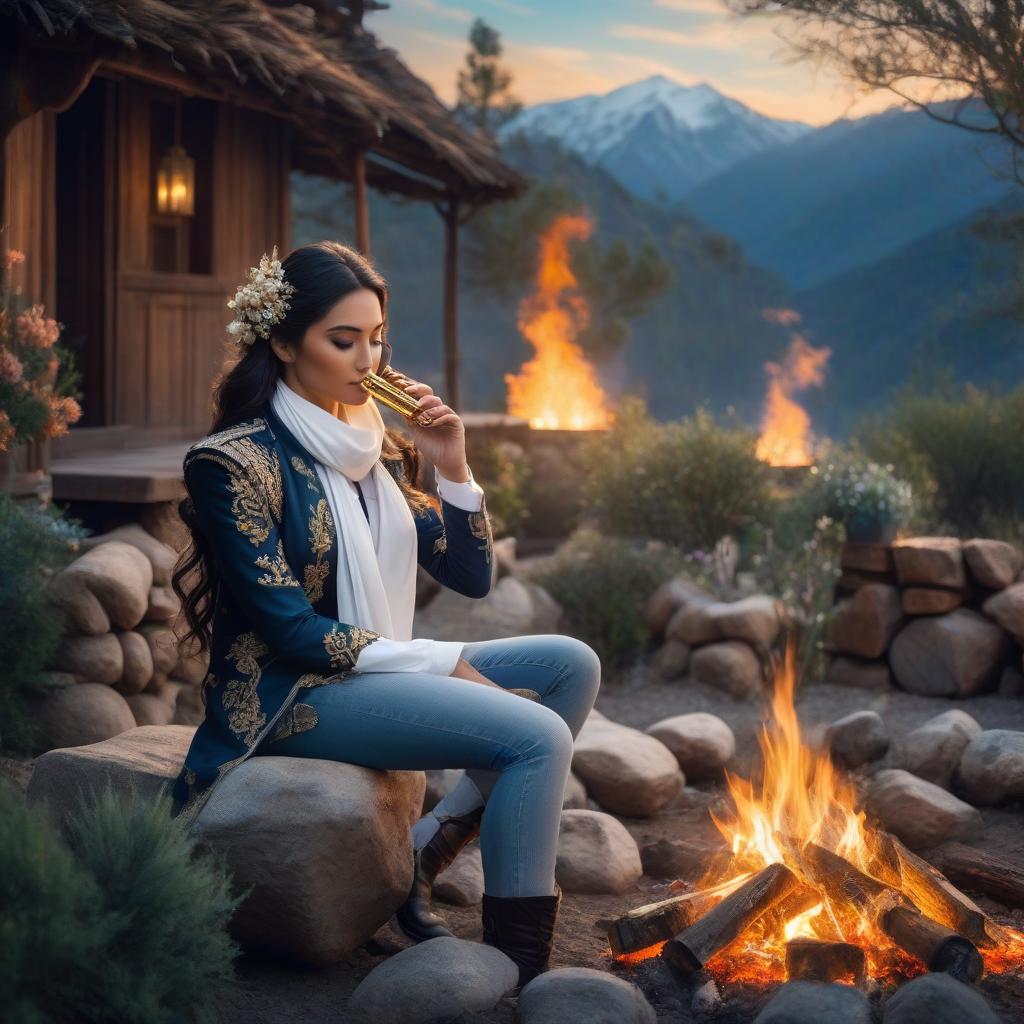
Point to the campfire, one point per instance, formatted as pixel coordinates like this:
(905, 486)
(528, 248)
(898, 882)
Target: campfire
(810, 890)
(785, 427)
(557, 389)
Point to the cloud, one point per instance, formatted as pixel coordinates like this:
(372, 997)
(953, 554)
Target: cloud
(512, 8)
(442, 10)
(694, 6)
(728, 36)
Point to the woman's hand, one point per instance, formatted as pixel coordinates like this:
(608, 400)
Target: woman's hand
(444, 441)
(463, 670)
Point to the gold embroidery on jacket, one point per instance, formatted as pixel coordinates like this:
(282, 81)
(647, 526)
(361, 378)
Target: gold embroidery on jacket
(321, 534)
(308, 472)
(480, 527)
(299, 718)
(278, 573)
(441, 544)
(311, 679)
(240, 698)
(343, 645)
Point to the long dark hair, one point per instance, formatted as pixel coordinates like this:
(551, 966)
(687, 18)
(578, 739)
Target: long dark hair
(322, 274)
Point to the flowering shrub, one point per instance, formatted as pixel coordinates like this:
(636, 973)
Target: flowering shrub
(865, 496)
(37, 393)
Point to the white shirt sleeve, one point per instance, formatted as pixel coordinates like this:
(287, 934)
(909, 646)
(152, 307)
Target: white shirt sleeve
(468, 495)
(436, 657)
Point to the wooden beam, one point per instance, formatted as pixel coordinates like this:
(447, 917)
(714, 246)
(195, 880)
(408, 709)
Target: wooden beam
(362, 209)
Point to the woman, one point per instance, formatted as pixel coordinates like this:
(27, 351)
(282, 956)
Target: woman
(307, 528)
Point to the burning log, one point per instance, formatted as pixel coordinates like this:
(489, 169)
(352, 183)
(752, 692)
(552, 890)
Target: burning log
(994, 876)
(648, 925)
(933, 893)
(810, 959)
(691, 949)
(940, 948)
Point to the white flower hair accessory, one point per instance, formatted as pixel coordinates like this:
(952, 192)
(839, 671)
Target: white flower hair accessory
(261, 302)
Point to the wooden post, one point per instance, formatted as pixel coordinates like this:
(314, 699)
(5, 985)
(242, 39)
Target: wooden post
(450, 213)
(362, 209)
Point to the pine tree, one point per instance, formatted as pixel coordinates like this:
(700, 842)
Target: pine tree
(485, 101)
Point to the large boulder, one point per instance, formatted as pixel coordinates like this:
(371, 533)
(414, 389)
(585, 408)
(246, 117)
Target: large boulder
(625, 771)
(161, 557)
(164, 604)
(163, 646)
(812, 1002)
(864, 623)
(582, 994)
(106, 586)
(992, 563)
(437, 980)
(930, 562)
(462, 882)
(992, 767)
(865, 556)
(702, 743)
(326, 846)
(74, 716)
(730, 666)
(857, 738)
(147, 758)
(756, 620)
(596, 854)
(671, 660)
(862, 675)
(937, 999)
(952, 655)
(930, 600)
(1007, 609)
(919, 812)
(97, 659)
(932, 751)
(149, 709)
(668, 599)
(138, 662)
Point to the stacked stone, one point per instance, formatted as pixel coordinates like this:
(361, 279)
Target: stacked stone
(119, 665)
(723, 644)
(936, 615)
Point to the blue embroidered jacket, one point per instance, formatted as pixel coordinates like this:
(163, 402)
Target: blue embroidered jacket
(260, 503)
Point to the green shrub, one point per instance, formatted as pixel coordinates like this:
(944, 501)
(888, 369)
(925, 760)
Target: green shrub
(34, 544)
(688, 483)
(961, 453)
(504, 473)
(124, 925)
(602, 584)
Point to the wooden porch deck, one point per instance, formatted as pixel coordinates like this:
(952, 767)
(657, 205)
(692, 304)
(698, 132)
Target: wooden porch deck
(137, 475)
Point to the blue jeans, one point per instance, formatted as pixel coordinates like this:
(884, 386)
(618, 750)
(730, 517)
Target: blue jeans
(517, 752)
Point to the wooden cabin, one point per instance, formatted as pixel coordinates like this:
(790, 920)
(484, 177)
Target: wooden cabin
(98, 101)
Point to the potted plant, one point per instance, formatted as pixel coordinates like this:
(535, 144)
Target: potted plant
(866, 497)
(38, 400)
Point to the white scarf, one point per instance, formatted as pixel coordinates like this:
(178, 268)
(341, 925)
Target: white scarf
(376, 585)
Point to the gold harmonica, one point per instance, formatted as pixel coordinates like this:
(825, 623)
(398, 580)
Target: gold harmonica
(394, 397)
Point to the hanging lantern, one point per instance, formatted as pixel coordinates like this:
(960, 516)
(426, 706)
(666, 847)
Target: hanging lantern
(176, 182)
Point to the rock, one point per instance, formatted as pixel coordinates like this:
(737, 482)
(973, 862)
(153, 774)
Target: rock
(547, 612)
(582, 994)
(439, 782)
(993, 563)
(161, 520)
(58, 680)
(671, 659)
(932, 751)
(625, 771)
(188, 708)
(150, 710)
(931, 561)
(859, 556)
(992, 767)
(433, 981)
(702, 744)
(507, 610)
(862, 675)
(755, 620)
(427, 588)
(575, 793)
(462, 882)
(950, 655)
(138, 663)
(1011, 682)
(596, 854)
(78, 715)
(668, 599)
(163, 646)
(161, 557)
(1007, 608)
(341, 831)
(864, 623)
(919, 812)
(857, 739)
(937, 999)
(164, 604)
(108, 585)
(192, 664)
(930, 600)
(811, 1002)
(99, 659)
(730, 666)
(854, 579)
(148, 758)
(505, 556)
(680, 858)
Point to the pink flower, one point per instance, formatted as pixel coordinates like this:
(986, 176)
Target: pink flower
(10, 367)
(14, 257)
(36, 330)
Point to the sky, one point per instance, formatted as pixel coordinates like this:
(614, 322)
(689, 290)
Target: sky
(558, 49)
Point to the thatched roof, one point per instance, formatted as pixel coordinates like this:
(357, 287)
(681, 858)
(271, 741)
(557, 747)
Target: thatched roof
(312, 65)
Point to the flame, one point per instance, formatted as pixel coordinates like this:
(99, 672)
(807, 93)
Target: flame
(800, 797)
(557, 388)
(785, 426)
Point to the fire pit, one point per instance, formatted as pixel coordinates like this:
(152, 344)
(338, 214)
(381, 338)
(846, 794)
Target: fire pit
(810, 890)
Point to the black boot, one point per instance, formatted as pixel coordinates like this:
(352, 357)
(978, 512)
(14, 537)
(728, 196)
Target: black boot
(414, 916)
(523, 928)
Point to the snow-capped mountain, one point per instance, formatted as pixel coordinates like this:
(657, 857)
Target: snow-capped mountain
(660, 139)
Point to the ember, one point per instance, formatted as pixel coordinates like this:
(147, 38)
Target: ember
(810, 889)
